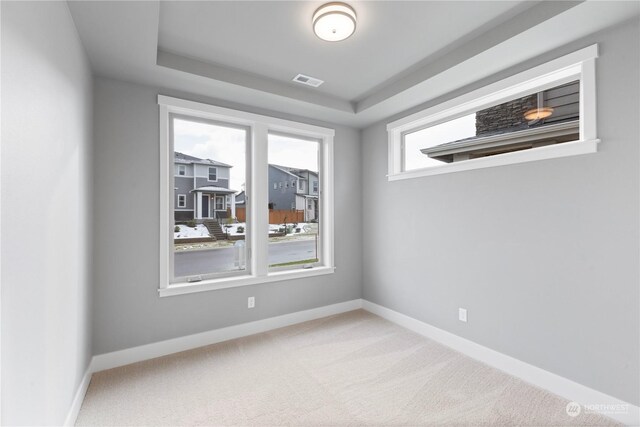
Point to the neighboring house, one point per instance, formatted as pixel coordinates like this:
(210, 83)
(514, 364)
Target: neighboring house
(241, 199)
(294, 189)
(504, 128)
(201, 188)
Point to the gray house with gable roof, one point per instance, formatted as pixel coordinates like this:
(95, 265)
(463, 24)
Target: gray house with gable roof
(294, 189)
(201, 189)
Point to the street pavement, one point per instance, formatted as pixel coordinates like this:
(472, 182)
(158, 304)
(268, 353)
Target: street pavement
(190, 263)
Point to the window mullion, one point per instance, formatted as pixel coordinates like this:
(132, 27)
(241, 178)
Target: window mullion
(259, 205)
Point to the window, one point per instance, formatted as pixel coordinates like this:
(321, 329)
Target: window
(213, 174)
(227, 137)
(202, 139)
(279, 185)
(315, 186)
(295, 237)
(300, 185)
(182, 170)
(545, 112)
(219, 203)
(275, 186)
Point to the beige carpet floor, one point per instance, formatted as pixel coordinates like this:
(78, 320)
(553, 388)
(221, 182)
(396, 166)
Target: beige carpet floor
(351, 369)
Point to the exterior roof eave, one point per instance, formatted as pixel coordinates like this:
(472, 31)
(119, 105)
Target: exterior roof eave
(501, 140)
(213, 190)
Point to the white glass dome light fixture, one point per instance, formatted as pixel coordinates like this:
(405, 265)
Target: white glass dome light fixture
(334, 21)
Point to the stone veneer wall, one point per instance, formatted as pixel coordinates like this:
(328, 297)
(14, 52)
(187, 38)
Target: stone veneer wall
(504, 116)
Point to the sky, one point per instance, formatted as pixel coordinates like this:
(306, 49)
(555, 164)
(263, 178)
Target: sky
(227, 145)
(450, 131)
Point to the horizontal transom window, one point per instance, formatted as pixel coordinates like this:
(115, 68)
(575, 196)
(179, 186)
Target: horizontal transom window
(523, 118)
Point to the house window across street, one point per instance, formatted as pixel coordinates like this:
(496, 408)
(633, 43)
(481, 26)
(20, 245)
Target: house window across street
(219, 203)
(213, 174)
(182, 200)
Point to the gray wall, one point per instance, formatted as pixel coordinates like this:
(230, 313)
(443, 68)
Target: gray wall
(46, 149)
(221, 182)
(127, 309)
(544, 255)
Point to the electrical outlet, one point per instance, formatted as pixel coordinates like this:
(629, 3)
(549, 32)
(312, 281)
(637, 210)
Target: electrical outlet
(251, 302)
(462, 314)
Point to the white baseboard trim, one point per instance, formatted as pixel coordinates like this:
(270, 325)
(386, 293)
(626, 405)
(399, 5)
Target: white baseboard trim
(175, 345)
(539, 377)
(72, 415)
(587, 397)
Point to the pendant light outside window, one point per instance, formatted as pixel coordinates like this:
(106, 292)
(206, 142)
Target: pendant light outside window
(539, 113)
(334, 21)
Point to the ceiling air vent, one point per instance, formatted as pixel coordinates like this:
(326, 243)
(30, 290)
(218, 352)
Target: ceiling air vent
(306, 80)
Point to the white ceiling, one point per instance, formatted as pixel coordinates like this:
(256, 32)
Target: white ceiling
(402, 54)
(275, 39)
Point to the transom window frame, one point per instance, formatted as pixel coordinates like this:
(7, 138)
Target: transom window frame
(579, 65)
(256, 195)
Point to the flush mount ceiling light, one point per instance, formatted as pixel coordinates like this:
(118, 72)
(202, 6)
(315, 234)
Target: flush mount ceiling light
(538, 113)
(334, 21)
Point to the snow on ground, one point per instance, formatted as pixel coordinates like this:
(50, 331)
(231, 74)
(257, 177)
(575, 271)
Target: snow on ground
(187, 232)
(238, 229)
(273, 228)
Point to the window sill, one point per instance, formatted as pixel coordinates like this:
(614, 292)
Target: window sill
(233, 282)
(541, 153)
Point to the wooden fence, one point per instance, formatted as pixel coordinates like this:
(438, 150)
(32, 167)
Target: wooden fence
(275, 216)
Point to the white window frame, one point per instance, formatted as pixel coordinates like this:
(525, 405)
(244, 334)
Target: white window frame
(579, 65)
(209, 174)
(182, 170)
(257, 243)
(184, 200)
(315, 186)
